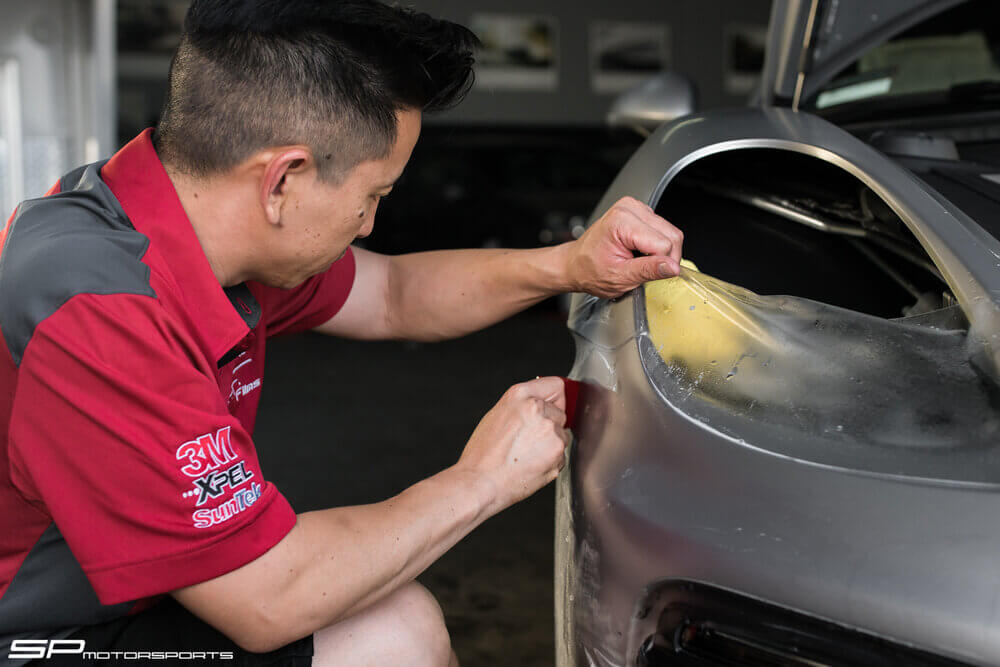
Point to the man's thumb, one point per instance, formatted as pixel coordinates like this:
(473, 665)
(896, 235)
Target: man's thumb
(644, 269)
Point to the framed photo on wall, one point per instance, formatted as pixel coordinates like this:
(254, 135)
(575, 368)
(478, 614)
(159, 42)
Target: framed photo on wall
(520, 52)
(624, 53)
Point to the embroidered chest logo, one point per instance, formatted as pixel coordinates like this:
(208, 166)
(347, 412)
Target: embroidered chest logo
(216, 470)
(238, 389)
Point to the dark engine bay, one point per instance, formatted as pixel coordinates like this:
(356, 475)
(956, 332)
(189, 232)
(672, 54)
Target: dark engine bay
(779, 222)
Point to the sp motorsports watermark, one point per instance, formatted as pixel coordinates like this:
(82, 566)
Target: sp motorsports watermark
(44, 649)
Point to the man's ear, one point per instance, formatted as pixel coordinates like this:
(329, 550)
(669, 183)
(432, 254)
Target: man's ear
(283, 165)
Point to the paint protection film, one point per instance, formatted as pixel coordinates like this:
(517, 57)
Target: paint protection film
(820, 383)
(785, 376)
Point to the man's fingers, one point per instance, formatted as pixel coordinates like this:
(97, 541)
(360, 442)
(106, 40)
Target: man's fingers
(637, 235)
(643, 269)
(672, 237)
(609, 264)
(554, 414)
(549, 389)
(677, 236)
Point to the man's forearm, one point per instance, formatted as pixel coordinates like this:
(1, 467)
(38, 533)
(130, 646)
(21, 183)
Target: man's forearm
(336, 562)
(444, 294)
(392, 541)
(449, 293)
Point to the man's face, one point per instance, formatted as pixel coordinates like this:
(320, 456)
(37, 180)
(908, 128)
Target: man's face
(319, 220)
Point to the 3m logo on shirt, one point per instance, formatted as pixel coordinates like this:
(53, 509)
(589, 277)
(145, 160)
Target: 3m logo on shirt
(206, 453)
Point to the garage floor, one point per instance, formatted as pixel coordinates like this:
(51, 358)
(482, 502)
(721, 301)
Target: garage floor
(345, 422)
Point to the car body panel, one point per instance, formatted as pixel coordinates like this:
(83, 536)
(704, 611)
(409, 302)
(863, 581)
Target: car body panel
(667, 480)
(660, 494)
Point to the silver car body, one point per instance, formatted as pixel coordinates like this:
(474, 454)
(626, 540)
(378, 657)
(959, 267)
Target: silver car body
(825, 462)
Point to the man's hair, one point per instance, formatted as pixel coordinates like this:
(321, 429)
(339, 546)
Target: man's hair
(329, 74)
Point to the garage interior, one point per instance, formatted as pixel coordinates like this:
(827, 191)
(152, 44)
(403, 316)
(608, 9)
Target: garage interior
(522, 162)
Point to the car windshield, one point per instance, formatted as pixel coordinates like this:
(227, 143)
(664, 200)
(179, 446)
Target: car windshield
(954, 54)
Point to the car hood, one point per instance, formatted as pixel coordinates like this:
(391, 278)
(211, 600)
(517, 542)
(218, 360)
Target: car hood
(810, 41)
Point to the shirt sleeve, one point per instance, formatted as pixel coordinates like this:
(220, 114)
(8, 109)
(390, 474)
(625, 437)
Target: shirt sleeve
(120, 433)
(287, 311)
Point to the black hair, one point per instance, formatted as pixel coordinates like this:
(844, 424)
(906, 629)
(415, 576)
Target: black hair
(329, 74)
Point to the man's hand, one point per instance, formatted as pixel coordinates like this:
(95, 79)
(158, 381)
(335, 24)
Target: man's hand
(602, 262)
(518, 446)
(300, 585)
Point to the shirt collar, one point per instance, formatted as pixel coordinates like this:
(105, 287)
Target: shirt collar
(138, 180)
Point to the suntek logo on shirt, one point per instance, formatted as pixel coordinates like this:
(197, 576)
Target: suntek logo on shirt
(240, 502)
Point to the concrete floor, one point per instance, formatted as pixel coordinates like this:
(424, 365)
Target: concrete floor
(345, 422)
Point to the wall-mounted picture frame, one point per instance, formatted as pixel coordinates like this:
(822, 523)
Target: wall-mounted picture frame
(625, 53)
(520, 52)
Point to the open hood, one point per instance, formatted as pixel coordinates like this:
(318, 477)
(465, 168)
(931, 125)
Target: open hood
(810, 41)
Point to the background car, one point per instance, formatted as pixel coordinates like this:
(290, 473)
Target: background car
(789, 455)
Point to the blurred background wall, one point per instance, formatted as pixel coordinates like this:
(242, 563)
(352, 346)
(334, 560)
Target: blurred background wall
(711, 41)
(79, 78)
(523, 160)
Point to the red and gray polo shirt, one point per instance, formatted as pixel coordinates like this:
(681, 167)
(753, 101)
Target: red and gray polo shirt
(129, 384)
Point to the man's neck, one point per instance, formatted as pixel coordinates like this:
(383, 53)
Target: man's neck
(217, 215)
